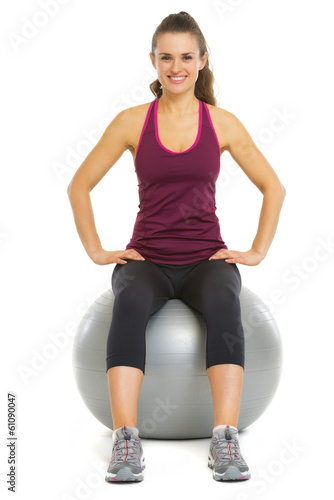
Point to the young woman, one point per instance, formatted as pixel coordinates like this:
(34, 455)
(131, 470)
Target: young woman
(176, 249)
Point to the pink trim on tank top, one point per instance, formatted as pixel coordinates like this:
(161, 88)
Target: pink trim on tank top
(157, 132)
(213, 128)
(144, 127)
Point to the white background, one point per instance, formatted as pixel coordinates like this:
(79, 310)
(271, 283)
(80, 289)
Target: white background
(66, 82)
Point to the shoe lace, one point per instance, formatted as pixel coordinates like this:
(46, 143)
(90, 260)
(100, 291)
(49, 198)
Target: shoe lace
(127, 449)
(228, 449)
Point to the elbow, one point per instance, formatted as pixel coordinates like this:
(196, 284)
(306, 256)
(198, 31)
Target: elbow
(281, 193)
(71, 188)
(275, 190)
(75, 187)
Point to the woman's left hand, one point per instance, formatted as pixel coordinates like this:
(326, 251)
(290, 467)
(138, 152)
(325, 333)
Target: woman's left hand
(251, 258)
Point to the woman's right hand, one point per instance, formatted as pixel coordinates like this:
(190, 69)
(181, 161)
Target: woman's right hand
(103, 257)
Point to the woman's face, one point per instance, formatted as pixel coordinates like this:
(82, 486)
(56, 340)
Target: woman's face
(177, 55)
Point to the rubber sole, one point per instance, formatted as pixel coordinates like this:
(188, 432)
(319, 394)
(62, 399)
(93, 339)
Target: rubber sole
(123, 475)
(232, 473)
(126, 474)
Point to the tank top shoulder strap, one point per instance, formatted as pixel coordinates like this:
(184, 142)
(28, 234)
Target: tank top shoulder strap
(207, 122)
(148, 126)
(149, 121)
(205, 115)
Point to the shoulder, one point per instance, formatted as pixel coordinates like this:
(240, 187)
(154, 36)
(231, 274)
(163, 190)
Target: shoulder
(135, 114)
(221, 116)
(128, 122)
(227, 125)
(131, 115)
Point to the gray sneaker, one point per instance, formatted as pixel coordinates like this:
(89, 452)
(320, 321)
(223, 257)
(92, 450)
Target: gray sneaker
(127, 461)
(225, 458)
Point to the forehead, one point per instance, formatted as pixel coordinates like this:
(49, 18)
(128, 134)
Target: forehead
(177, 43)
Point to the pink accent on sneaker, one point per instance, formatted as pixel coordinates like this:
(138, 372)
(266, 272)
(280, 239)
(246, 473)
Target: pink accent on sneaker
(127, 450)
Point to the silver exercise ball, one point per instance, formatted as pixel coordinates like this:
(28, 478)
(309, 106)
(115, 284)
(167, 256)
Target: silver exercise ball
(175, 399)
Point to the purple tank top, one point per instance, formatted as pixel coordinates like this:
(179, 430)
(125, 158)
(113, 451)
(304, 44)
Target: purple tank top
(177, 223)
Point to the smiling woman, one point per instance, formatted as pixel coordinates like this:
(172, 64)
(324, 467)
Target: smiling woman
(179, 65)
(176, 249)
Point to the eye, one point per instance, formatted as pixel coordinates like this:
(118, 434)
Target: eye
(186, 57)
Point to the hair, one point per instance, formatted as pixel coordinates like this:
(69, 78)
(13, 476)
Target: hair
(184, 23)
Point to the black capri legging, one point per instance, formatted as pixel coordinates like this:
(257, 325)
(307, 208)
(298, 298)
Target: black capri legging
(141, 288)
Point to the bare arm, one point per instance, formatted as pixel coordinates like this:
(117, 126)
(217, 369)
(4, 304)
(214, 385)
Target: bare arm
(245, 152)
(103, 156)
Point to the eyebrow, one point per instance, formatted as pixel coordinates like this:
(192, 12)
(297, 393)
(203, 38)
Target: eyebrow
(167, 54)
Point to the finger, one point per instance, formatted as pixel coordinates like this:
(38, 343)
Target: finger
(137, 256)
(221, 256)
(227, 255)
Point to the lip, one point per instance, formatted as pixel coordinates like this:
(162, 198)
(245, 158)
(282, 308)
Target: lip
(178, 82)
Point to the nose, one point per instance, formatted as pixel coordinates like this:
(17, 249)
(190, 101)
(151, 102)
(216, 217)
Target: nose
(176, 65)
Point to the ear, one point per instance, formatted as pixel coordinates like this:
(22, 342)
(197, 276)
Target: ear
(203, 60)
(152, 60)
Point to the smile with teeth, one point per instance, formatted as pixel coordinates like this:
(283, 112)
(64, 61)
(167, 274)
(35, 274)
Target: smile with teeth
(177, 78)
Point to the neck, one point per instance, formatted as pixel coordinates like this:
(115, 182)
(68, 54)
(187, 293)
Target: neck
(178, 104)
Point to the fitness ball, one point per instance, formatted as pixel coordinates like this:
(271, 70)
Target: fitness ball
(175, 399)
